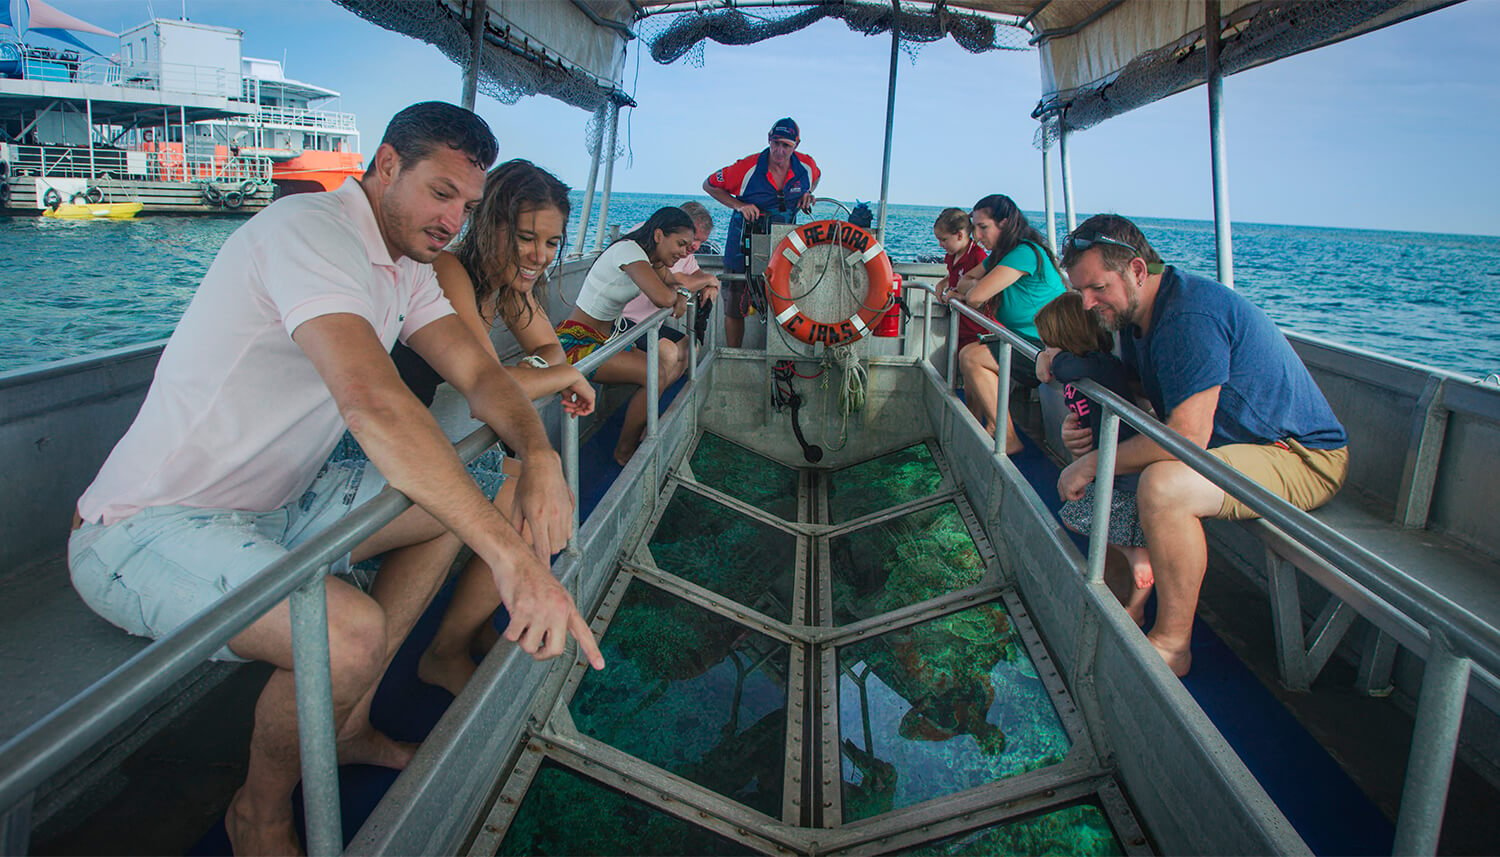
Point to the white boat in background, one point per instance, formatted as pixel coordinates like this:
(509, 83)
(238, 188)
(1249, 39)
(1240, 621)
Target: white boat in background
(178, 121)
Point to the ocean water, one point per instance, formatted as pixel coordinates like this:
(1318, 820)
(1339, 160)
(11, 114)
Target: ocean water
(69, 289)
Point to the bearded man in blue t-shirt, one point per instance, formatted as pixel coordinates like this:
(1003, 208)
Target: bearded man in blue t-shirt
(1219, 372)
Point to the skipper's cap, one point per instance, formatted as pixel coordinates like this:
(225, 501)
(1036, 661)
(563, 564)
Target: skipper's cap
(785, 129)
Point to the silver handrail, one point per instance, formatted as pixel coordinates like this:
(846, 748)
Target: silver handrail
(1457, 644)
(47, 746)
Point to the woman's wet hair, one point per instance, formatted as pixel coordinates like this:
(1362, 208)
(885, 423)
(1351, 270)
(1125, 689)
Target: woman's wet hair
(668, 219)
(953, 221)
(1064, 323)
(1014, 227)
(488, 249)
(419, 129)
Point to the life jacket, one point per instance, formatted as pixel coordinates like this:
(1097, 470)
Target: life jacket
(778, 205)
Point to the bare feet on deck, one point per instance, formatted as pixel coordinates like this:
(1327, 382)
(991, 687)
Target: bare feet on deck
(370, 746)
(1179, 661)
(253, 833)
(448, 670)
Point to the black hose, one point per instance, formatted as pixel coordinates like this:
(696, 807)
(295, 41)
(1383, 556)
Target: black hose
(813, 454)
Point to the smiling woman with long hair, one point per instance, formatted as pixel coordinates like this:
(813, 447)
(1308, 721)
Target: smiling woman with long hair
(497, 273)
(1018, 278)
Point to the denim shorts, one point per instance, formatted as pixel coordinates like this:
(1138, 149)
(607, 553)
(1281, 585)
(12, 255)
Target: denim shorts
(154, 570)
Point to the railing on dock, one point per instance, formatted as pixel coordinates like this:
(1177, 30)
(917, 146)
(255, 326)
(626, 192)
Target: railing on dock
(45, 748)
(1456, 644)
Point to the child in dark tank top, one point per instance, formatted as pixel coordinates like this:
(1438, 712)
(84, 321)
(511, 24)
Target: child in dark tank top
(1079, 348)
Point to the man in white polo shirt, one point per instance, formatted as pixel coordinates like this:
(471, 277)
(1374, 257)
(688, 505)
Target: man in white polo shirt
(286, 342)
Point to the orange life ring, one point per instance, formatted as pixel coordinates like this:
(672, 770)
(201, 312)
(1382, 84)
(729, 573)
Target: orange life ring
(861, 245)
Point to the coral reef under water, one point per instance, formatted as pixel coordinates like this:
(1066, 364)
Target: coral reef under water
(940, 707)
(896, 563)
(1079, 830)
(745, 475)
(691, 692)
(565, 813)
(732, 554)
(880, 483)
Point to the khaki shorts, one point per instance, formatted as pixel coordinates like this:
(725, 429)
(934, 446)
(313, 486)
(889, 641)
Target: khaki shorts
(1306, 478)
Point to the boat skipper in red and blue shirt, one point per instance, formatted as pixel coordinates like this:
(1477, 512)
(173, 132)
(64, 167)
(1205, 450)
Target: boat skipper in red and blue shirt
(768, 187)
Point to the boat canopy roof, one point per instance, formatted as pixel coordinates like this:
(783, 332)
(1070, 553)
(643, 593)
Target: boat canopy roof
(1099, 58)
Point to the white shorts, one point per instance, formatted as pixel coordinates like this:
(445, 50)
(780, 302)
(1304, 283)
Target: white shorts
(156, 569)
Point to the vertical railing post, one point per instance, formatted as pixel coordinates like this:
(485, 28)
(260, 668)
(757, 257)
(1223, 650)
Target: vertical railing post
(653, 381)
(1223, 238)
(922, 351)
(315, 729)
(609, 171)
(692, 338)
(1104, 491)
(1067, 179)
(1003, 355)
(1434, 740)
(15, 828)
(570, 469)
(88, 108)
(952, 376)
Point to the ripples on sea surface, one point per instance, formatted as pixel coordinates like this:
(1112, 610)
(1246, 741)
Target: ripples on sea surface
(70, 288)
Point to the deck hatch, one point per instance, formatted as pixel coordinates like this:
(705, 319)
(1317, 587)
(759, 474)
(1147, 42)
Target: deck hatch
(720, 549)
(692, 692)
(940, 707)
(879, 483)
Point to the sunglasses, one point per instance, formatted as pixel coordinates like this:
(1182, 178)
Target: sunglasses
(1079, 243)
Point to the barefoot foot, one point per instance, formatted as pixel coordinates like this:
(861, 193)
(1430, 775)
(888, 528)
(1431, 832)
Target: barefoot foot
(448, 671)
(371, 747)
(255, 832)
(1179, 660)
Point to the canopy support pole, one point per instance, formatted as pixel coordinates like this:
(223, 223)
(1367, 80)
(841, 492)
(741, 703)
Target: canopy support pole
(1047, 205)
(1223, 240)
(588, 197)
(890, 117)
(1067, 179)
(477, 15)
(609, 172)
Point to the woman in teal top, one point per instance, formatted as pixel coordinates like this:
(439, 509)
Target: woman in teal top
(1018, 278)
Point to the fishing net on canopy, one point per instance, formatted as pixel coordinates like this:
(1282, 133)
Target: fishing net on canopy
(505, 75)
(673, 36)
(1252, 35)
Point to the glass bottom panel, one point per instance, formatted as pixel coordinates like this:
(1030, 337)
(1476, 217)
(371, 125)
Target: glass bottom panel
(745, 475)
(692, 692)
(900, 562)
(880, 483)
(732, 554)
(940, 707)
(1078, 830)
(566, 813)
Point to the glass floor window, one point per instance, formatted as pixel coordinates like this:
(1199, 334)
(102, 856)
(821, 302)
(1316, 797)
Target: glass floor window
(740, 704)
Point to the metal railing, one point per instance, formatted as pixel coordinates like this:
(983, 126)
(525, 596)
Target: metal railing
(302, 118)
(47, 746)
(1457, 644)
(154, 165)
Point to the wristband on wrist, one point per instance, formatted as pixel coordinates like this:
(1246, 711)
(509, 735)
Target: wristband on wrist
(684, 292)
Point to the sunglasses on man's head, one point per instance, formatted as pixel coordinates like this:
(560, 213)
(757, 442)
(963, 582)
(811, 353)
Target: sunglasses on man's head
(1079, 243)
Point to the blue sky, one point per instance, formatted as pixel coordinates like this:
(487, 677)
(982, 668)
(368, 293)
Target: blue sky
(1394, 130)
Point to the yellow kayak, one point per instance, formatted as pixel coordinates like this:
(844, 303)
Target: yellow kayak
(90, 211)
